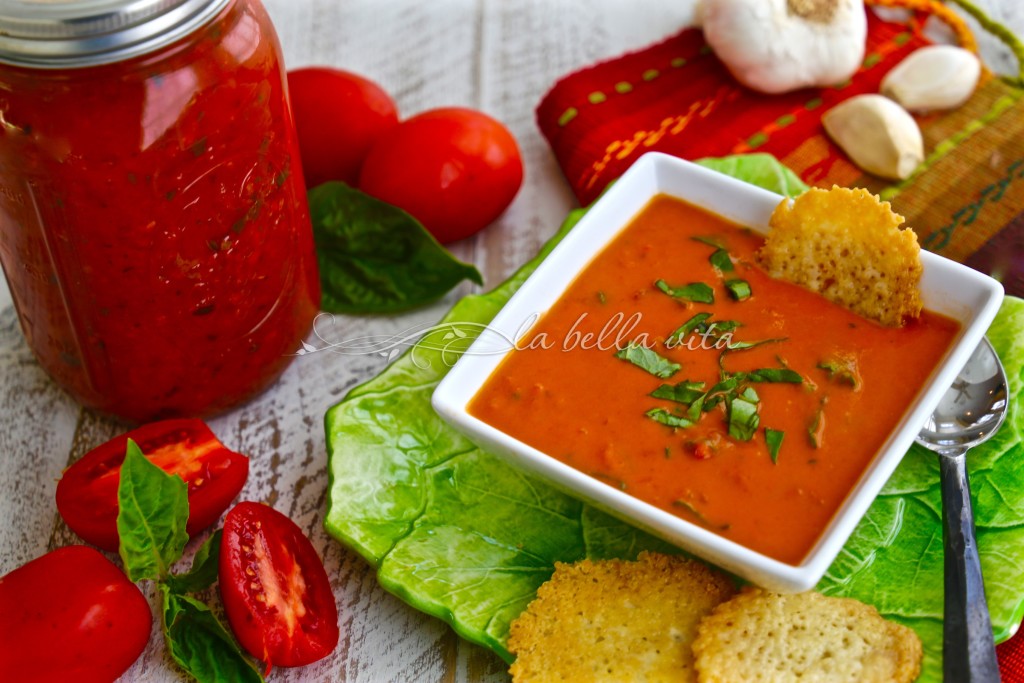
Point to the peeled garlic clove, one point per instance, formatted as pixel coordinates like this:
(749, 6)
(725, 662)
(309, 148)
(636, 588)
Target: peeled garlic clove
(880, 136)
(934, 77)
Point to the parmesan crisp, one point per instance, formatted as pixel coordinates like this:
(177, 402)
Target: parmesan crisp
(616, 621)
(846, 244)
(808, 637)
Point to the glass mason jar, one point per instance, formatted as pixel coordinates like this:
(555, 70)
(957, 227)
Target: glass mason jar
(154, 230)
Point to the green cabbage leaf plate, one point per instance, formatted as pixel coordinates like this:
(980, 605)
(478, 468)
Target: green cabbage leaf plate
(458, 534)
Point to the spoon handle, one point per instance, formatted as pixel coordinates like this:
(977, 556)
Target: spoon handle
(968, 649)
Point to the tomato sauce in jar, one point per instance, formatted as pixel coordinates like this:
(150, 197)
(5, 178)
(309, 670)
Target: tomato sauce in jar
(154, 230)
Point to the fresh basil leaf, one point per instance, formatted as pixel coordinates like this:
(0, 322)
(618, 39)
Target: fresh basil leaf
(743, 418)
(374, 257)
(738, 289)
(204, 568)
(649, 360)
(774, 375)
(696, 292)
(151, 517)
(774, 437)
(666, 418)
(685, 392)
(721, 260)
(200, 644)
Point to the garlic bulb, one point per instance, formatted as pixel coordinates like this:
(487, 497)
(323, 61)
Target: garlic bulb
(933, 77)
(880, 136)
(779, 45)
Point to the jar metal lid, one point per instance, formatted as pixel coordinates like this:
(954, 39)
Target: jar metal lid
(62, 34)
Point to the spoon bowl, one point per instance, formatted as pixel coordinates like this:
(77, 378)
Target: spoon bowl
(970, 412)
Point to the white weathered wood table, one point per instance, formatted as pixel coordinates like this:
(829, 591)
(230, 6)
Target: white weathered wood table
(499, 56)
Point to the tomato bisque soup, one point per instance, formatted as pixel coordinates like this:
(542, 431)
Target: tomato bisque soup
(676, 369)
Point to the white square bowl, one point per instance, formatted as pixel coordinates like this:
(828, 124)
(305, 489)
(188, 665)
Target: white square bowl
(949, 288)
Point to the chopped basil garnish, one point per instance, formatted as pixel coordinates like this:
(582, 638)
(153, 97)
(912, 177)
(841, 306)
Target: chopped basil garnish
(738, 289)
(696, 292)
(773, 437)
(842, 370)
(721, 260)
(710, 240)
(649, 360)
(685, 392)
(774, 375)
(816, 429)
(704, 521)
(686, 328)
(666, 418)
(743, 346)
(726, 386)
(743, 417)
(696, 408)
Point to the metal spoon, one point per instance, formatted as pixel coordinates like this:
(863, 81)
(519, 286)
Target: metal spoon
(970, 412)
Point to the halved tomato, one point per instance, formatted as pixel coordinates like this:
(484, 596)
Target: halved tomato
(70, 615)
(87, 493)
(275, 591)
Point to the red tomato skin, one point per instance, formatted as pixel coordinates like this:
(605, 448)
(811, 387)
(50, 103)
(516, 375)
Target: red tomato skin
(338, 115)
(70, 615)
(87, 492)
(454, 169)
(260, 543)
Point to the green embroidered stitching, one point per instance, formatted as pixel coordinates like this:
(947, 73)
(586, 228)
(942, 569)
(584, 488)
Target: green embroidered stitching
(944, 147)
(756, 140)
(968, 214)
(568, 115)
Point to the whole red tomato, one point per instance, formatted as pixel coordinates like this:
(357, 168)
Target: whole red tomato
(276, 593)
(70, 615)
(338, 116)
(87, 493)
(455, 170)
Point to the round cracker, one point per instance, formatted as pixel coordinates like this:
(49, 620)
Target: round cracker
(808, 637)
